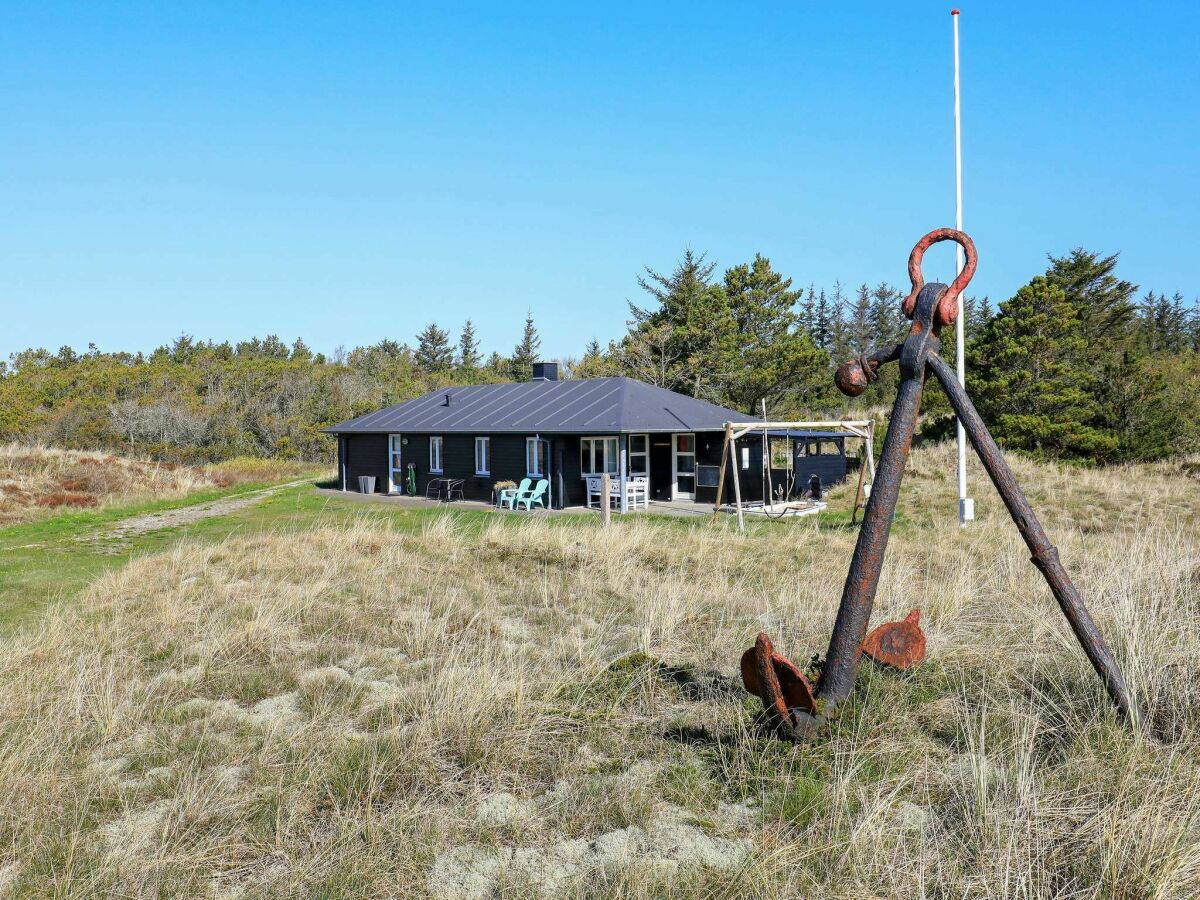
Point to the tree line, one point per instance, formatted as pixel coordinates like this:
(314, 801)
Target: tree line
(1075, 365)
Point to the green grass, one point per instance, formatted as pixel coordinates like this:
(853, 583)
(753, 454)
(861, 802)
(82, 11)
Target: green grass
(46, 562)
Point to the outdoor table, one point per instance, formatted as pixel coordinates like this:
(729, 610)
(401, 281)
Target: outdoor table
(453, 486)
(444, 489)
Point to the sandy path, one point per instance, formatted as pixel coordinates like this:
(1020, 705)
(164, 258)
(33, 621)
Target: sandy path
(119, 532)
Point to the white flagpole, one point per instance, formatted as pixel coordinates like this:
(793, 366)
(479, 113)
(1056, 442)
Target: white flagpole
(966, 505)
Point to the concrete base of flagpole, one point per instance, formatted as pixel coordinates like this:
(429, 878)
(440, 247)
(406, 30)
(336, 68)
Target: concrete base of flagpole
(966, 510)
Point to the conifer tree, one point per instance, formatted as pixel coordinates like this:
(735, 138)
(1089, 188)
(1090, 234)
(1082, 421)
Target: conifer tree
(525, 353)
(469, 356)
(887, 321)
(433, 354)
(684, 340)
(823, 323)
(1028, 381)
(839, 335)
(593, 363)
(807, 315)
(858, 322)
(774, 360)
(1103, 303)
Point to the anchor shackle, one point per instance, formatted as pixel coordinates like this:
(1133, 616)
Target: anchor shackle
(947, 306)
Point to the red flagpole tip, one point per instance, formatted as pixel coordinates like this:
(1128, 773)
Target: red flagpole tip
(954, 12)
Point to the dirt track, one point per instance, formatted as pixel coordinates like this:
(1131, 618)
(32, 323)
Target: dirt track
(120, 531)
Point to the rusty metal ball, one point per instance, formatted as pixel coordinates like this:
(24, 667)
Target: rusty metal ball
(851, 378)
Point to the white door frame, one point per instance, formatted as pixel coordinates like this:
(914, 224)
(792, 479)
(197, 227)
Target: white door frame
(395, 448)
(677, 494)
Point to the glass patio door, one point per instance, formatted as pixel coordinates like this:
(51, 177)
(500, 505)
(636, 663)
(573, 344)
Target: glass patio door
(683, 466)
(395, 464)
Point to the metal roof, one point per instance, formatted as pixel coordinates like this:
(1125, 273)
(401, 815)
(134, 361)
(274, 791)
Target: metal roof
(579, 406)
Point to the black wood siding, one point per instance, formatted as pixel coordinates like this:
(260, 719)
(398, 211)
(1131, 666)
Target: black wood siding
(709, 446)
(367, 454)
(830, 464)
(574, 487)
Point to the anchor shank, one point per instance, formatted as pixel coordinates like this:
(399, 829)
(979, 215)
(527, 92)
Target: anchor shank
(1045, 556)
(862, 580)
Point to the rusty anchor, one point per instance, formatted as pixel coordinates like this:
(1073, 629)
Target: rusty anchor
(900, 645)
(930, 307)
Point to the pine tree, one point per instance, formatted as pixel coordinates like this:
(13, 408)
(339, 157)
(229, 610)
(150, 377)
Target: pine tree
(1028, 381)
(807, 316)
(683, 341)
(593, 363)
(1194, 325)
(525, 353)
(858, 322)
(1103, 303)
(823, 323)
(773, 360)
(469, 356)
(887, 321)
(498, 367)
(839, 334)
(1171, 321)
(434, 354)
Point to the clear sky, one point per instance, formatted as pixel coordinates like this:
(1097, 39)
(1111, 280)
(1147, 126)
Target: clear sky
(348, 172)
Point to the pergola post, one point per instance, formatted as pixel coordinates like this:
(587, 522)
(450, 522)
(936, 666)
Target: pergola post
(724, 465)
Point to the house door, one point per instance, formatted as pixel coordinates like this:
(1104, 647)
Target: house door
(395, 464)
(684, 467)
(661, 479)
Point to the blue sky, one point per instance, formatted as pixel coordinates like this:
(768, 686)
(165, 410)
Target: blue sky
(353, 171)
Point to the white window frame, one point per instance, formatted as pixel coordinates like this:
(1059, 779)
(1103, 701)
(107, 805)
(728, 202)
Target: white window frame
(587, 457)
(486, 444)
(436, 445)
(645, 454)
(395, 463)
(533, 446)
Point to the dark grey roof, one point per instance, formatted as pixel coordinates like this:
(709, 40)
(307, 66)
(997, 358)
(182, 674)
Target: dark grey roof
(583, 406)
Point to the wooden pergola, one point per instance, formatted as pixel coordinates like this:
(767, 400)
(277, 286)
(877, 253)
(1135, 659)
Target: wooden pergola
(864, 429)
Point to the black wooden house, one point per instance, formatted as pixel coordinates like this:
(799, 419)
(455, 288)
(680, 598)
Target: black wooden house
(561, 430)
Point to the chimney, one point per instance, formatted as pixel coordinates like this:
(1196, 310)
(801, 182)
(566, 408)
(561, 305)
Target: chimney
(545, 371)
(446, 399)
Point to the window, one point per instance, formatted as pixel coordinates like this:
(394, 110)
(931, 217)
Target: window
(780, 458)
(598, 455)
(395, 468)
(535, 457)
(483, 454)
(685, 466)
(435, 454)
(685, 452)
(639, 454)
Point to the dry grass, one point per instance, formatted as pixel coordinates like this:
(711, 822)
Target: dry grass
(551, 708)
(35, 479)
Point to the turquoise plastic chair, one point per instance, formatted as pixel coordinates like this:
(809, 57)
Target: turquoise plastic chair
(509, 495)
(537, 495)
